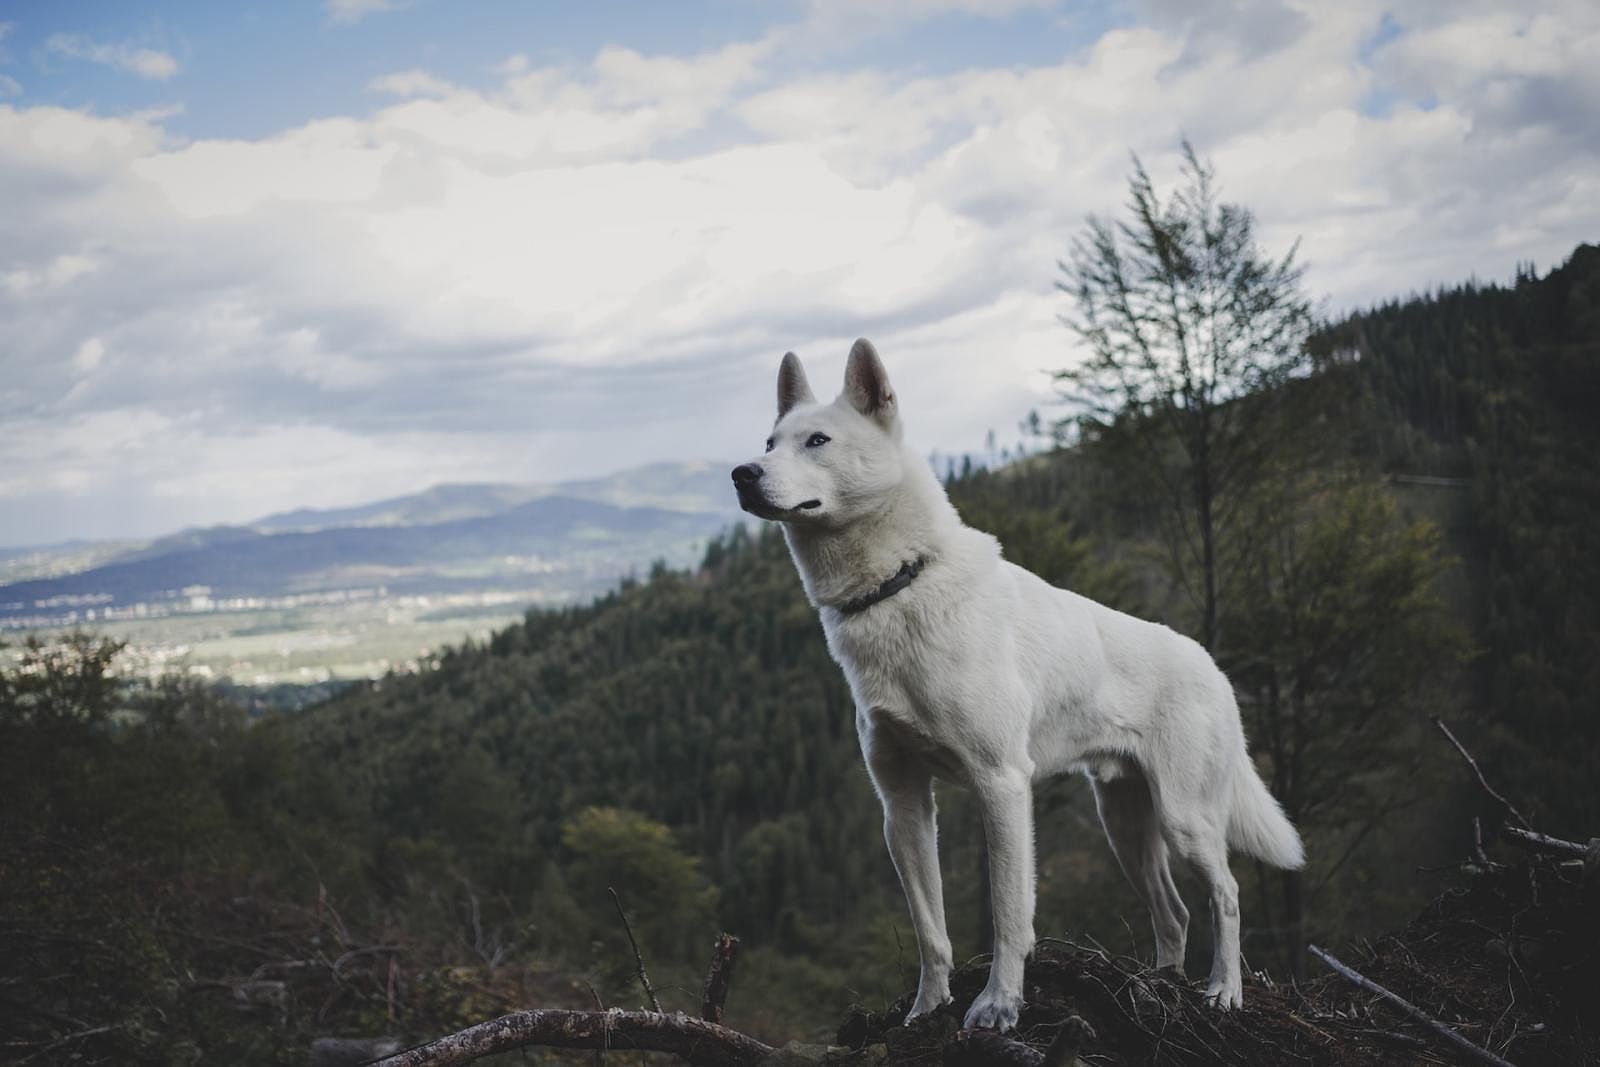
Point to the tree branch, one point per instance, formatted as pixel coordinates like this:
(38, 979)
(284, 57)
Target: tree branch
(701, 1043)
(1537, 842)
(1473, 1052)
(1510, 808)
(644, 979)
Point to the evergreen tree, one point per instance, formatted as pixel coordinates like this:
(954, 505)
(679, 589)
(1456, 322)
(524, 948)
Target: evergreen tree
(1183, 316)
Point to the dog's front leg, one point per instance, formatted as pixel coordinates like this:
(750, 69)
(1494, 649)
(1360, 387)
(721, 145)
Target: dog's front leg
(1006, 798)
(906, 789)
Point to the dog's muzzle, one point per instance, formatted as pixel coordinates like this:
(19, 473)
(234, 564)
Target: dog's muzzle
(747, 482)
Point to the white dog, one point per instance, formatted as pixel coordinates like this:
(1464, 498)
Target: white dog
(969, 668)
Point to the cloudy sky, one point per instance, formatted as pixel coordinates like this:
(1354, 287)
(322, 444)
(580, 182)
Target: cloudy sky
(263, 255)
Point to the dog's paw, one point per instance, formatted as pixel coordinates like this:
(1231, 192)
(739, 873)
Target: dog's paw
(1225, 996)
(928, 1001)
(994, 1010)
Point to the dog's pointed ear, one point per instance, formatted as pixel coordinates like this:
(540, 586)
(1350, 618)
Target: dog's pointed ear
(792, 385)
(866, 383)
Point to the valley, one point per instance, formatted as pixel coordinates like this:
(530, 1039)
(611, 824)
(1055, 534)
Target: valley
(313, 598)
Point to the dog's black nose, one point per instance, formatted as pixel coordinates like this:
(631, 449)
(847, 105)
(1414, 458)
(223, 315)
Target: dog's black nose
(746, 473)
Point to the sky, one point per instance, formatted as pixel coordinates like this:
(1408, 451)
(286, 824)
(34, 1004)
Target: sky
(257, 256)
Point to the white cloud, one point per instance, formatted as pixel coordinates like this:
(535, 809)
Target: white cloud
(512, 65)
(355, 10)
(145, 62)
(411, 83)
(578, 267)
(90, 353)
(58, 271)
(9, 86)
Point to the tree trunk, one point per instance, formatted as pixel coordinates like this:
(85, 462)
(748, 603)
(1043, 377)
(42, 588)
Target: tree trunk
(1208, 547)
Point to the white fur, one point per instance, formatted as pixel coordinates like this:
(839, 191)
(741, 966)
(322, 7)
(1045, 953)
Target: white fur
(981, 673)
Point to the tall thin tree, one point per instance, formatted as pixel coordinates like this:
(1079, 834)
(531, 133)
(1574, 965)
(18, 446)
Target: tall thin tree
(1188, 327)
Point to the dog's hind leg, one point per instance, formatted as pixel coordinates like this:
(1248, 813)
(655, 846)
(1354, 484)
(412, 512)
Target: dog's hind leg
(1128, 814)
(905, 786)
(1203, 844)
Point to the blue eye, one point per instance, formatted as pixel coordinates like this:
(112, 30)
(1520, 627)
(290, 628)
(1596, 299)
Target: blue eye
(770, 442)
(817, 440)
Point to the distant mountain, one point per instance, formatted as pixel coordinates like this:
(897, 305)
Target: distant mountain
(690, 487)
(438, 504)
(566, 538)
(22, 562)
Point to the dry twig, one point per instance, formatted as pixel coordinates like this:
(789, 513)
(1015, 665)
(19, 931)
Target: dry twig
(1511, 809)
(644, 979)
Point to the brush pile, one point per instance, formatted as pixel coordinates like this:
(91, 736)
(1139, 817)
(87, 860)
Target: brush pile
(1508, 963)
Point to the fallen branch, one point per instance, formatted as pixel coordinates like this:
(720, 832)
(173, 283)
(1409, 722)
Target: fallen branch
(701, 1043)
(1511, 809)
(1537, 842)
(1476, 1053)
(644, 979)
(718, 977)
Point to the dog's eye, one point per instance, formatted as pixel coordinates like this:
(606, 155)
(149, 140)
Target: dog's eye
(770, 442)
(817, 440)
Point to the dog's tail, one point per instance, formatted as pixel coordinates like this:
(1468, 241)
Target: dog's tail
(1257, 824)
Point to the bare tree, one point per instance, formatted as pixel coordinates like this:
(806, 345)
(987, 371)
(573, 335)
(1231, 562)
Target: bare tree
(1189, 327)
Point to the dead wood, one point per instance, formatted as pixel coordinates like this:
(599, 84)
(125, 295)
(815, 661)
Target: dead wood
(1499, 798)
(1473, 1052)
(1537, 842)
(644, 979)
(718, 977)
(702, 1043)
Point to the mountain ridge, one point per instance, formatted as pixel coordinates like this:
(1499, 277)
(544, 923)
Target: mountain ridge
(448, 536)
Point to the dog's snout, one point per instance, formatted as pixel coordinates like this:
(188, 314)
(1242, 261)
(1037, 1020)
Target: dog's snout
(746, 474)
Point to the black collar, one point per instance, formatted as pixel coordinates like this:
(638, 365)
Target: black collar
(902, 578)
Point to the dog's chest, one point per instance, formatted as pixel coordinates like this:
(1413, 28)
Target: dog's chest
(924, 674)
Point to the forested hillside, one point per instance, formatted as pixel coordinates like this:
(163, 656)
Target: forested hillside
(1499, 386)
(436, 848)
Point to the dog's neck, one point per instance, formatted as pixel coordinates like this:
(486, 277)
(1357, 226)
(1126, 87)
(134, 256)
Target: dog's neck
(838, 565)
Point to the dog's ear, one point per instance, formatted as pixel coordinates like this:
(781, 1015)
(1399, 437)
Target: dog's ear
(866, 383)
(792, 385)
